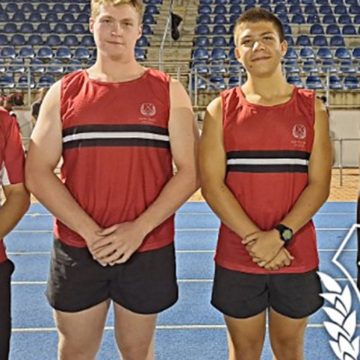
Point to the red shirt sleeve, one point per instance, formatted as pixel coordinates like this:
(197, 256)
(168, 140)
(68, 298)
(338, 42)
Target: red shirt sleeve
(11, 152)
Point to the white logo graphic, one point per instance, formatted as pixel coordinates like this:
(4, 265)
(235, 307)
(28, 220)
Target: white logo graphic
(148, 109)
(299, 131)
(342, 326)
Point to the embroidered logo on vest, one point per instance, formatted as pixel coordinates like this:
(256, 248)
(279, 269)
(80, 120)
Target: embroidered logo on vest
(148, 109)
(299, 131)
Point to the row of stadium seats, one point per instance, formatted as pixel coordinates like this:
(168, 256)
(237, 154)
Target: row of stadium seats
(315, 29)
(234, 7)
(218, 82)
(281, 2)
(285, 19)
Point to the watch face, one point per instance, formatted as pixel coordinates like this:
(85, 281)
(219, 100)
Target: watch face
(287, 234)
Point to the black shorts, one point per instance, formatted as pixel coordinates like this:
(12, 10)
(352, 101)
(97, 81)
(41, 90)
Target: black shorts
(242, 295)
(145, 284)
(6, 269)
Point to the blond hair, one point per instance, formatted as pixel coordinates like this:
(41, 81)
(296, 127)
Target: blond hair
(137, 4)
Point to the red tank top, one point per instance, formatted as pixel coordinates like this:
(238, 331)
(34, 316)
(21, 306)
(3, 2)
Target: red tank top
(116, 150)
(11, 158)
(267, 150)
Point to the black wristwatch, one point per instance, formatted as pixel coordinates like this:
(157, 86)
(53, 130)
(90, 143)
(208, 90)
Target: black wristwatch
(286, 234)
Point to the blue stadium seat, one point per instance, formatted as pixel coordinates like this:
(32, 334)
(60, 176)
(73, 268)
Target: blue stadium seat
(8, 52)
(35, 16)
(84, 18)
(314, 82)
(351, 83)
(303, 40)
(329, 19)
(37, 66)
(82, 53)
(235, 9)
(347, 67)
(26, 52)
(218, 67)
(19, 16)
(313, 19)
(220, 9)
(86, 9)
(232, 54)
(342, 53)
(280, 9)
(87, 40)
(55, 67)
(324, 53)
(146, 30)
(43, 8)
(340, 10)
(337, 40)
(322, 2)
(291, 54)
(53, 40)
(287, 29)
(45, 81)
(333, 29)
(7, 82)
(320, 40)
(290, 40)
(325, 9)
(295, 9)
(283, 18)
(316, 29)
(219, 30)
(4, 40)
(23, 82)
(4, 16)
(205, 2)
(70, 40)
(151, 9)
(234, 67)
(220, 2)
(307, 53)
(204, 9)
(73, 8)
(142, 42)
(218, 54)
(58, 8)
(63, 53)
(219, 41)
(200, 54)
(354, 9)
(310, 66)
(45, 53)
(220, 19)
(335, 83)
(348, 30)
(43, 28)
(60, 28)
(11, 7)
(337, 2)
(149, 19)
(298, 19)
(295, 80)
(204, 19)
(356, 53)
(201, 41)
(17, 39)
(199, 84)
(35, 39)
(27, 7)
(140, 54)
(291, 66)
(234, 81)
(73, 65)
(217, 82)
(10, 28)
(293, 2)
(345, 19)
(78, 29)
(310, 9)
(357, 19)
(68, 18)
(200, 67)
(17, 66)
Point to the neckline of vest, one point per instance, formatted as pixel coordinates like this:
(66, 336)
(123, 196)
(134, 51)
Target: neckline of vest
(243, 97)
(104, 83)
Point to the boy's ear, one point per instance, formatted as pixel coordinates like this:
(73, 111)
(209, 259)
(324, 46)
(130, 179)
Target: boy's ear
(284, 47)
